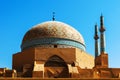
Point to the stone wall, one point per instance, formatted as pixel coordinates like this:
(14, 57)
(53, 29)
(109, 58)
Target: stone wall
(43, 54)
(84, 60)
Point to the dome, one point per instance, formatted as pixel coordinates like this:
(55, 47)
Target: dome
(52, 32)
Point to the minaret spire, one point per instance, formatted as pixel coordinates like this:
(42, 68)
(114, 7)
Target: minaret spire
(101, 61)
(53, 16)
(102, 35)
(96, 37)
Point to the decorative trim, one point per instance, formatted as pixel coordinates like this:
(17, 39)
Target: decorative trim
(53, 41)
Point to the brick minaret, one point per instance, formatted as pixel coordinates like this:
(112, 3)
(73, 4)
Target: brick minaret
(101, 61)
(102, 35)
(96, 37)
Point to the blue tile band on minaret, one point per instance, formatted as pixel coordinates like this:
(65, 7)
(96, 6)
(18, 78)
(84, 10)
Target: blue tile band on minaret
(102, 35)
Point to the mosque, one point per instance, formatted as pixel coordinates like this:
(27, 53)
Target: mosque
(54, 49)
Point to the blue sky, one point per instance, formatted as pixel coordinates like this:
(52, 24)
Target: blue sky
(18, 16)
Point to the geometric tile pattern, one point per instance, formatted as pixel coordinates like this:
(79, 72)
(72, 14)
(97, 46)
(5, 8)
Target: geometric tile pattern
(53, 32)
(54, 29)
(52, 41)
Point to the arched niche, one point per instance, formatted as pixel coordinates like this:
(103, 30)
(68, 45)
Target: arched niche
(56, 67)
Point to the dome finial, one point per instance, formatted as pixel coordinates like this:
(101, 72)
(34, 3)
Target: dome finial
(53, 16)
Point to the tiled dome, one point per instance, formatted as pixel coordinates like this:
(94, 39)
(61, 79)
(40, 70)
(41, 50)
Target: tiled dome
(53, 29)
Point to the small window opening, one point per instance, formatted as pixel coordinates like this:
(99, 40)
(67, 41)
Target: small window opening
(55, 46)
(73, 64)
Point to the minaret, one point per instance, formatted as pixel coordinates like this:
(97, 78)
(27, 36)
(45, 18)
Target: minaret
(102, 35)
(101, 61)
(96, 37)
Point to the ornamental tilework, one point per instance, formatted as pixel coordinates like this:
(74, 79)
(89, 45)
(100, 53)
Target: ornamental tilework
(52, 41)
(53, 29)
